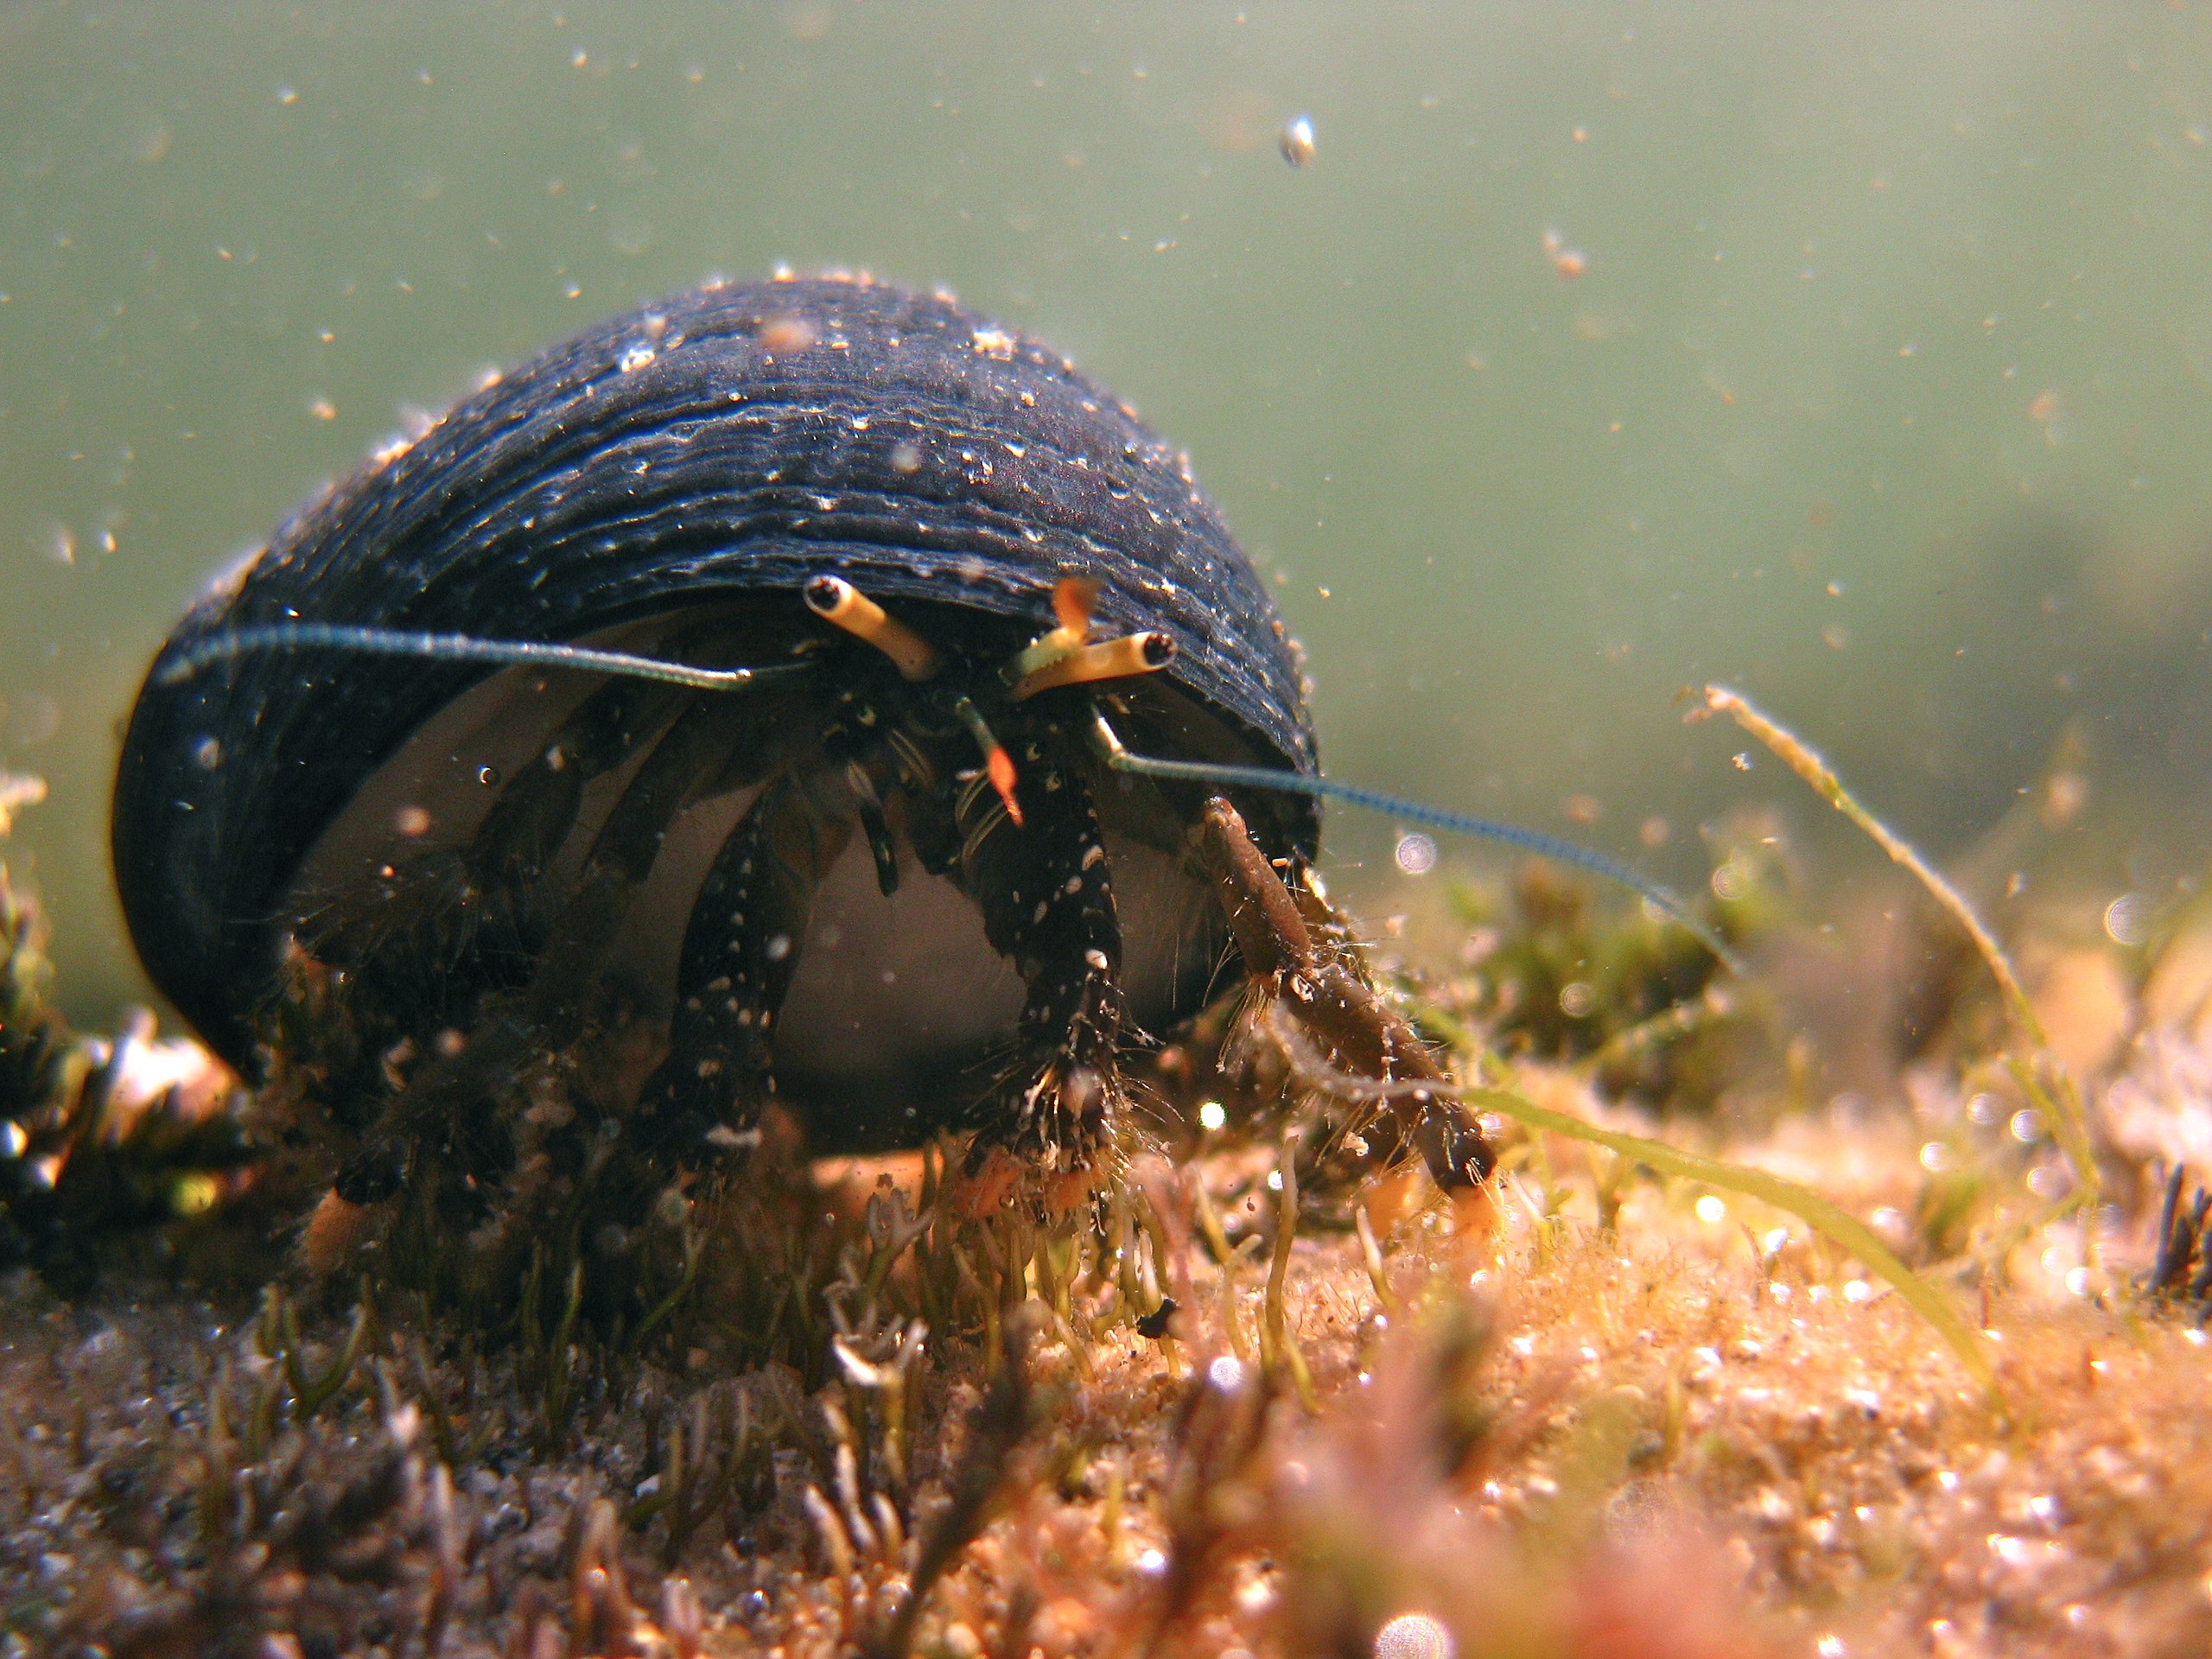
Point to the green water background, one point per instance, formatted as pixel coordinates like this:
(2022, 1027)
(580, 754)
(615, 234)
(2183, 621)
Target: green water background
(1885, 390)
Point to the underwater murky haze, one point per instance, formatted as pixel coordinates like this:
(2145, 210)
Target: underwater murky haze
(1884, 390)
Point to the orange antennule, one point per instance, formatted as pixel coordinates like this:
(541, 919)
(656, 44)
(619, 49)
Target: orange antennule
(998, 765)
(1072, 598)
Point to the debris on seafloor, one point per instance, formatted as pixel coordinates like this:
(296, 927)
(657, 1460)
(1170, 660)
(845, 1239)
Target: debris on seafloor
(97, 1135)
(1622, 1413)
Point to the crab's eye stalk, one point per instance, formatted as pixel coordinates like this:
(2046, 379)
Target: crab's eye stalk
(1109, 660)
(838, 602)
(1062, 655)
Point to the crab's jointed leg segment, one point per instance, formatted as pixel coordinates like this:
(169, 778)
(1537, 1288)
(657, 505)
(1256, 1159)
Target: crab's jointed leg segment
(445, 1097)
(1341, 1010)
(1048, 905)
(740, 952)
(522, 834)
(682, 764)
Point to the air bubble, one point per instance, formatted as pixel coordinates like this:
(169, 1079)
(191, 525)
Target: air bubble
(1414, 1636)
(2127, 919)
(1416, 854)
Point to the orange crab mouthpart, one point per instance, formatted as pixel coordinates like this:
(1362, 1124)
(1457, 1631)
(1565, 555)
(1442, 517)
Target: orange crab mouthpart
(998, 765)
(1072, 598)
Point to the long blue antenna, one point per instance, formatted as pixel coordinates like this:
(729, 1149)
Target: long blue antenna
(1433, 817)
(455, 648)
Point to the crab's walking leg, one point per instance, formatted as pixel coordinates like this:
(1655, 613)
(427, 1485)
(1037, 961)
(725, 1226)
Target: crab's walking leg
(523, 833)
(1047, 904)
(678, 771)
(421, 945)
(740, 950)
(443, 1098)
(1331, 1002)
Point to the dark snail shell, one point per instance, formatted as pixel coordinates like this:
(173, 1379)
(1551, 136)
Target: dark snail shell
(702, 456)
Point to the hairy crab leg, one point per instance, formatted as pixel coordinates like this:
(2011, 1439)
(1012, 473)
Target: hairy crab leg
(676, 772)
(740, 952)
(857, 740)
(1048, 905)
(524, 832)
(1339, 1008)
(471, 915)
(680, 766)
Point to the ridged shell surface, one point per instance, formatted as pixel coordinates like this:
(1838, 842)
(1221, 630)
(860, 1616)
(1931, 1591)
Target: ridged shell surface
(729, 442)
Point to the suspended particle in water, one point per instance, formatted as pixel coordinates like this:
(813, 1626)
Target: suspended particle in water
(1416, 854)
(1567, 261)
(1297, 141)
(488, 776)
(2064, 795)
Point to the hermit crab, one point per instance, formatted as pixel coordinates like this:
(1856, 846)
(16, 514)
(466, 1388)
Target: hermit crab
(837, 695)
